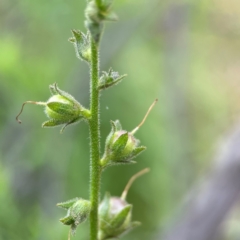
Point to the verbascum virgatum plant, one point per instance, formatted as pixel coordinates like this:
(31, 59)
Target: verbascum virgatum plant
(113, 217)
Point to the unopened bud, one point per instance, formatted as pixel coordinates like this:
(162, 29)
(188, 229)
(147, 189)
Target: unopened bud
(61, 108)
(121, 146)
(115, 213)
(115, 217)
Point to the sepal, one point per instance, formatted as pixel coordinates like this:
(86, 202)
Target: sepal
(60, 108)
(137, 151)
(106, 13)
(121, 217)
(78, 211)
(66, 205)
(117, 125)
(68, 220)
(120, 143)
(104, 207)
(109, 79)
(55, 90)
(81, 43)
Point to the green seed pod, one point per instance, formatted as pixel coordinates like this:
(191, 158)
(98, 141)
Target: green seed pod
(121, 146)
(61, 108)
(78, 211)
(115, 213)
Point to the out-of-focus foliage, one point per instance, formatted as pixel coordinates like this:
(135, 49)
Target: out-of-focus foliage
(186, 53)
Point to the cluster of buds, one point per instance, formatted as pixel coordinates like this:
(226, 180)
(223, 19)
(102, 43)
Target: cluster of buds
(78, 211)
(95, 16)
(61, 109)
(121, 146)
(115, 213)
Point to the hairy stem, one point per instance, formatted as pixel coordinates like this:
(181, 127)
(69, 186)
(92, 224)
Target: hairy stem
(94, 143)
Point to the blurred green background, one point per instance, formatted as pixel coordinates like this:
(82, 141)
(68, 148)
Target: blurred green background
(186, 53)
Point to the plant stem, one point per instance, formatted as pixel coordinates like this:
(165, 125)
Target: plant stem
(98, 3)
(94, 143)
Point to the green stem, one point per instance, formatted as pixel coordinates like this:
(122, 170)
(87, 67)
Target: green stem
(98, 3)
(94, 143)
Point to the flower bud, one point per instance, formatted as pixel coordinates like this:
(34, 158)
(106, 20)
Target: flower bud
(115, 213)
(61, 108)
(121, 146)
(115, 216)
(78, 211)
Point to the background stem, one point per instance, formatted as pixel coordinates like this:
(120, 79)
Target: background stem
(94, 143)
(98, 3)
